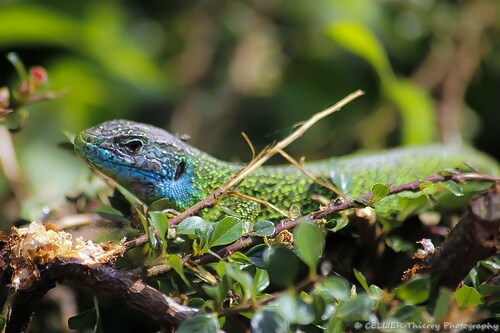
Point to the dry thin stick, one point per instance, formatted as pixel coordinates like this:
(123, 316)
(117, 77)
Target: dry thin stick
(254, 164)
(259, 201)
(321, 182)
(291, 138)
(250, 144)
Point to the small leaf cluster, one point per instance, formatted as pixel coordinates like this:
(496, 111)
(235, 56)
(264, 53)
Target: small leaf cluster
(282, 287)
(31, 89)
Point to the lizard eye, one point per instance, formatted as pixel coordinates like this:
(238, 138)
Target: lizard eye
(180, 170)
(133, 145)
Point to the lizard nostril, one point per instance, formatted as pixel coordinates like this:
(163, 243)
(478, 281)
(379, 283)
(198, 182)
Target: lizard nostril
(87, 138)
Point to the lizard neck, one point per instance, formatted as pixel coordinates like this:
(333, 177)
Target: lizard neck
(204, 174)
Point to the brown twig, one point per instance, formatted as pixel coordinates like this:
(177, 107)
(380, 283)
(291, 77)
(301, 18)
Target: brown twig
(413, 186)
(309, 175)
(334, 207)
(33, 258)
(257, 200)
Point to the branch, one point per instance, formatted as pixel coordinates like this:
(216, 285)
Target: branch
(475, 238)
(34, 258)
(334, 207)
(20, 306)
(104, 278)
(413, 186)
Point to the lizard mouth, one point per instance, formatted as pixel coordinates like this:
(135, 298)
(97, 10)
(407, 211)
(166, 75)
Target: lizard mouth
(80, 142)
(85, 147)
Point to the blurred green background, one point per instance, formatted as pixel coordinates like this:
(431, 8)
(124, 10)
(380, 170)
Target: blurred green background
(430, 70)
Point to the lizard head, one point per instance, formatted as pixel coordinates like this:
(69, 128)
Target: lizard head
(146, 160)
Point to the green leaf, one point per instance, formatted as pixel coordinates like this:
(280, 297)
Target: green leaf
(415, 291)
(414, 103)
(2, 323)
(18, 65)
(196, 302)
(376, 292)
(406, 312)
(308, 242)
(228, 230)
(255, 255)
(175, 261)
(243, 278)
(379, 191)
(335, 325)
(399, 244)
(417, 110)
(490, 292)
(263, 228)
(260, 280)
(189, 225)
(269, 321)
(160, 224)
(322, 304)
(282, 265)
(410, 203)
(453, 187)
(203, 233)
(121, 204)
(359, 40)
(161, 204)
(218, 292)
(340, 223)
(360, 277)
(240, 257)
(467, 296)
(491, 265)
(336, 287)
(442, 304)
(356, 309)
(153, 241)
(293, 309)
(200, 324)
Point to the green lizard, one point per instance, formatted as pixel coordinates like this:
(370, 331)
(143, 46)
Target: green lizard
(154, 164)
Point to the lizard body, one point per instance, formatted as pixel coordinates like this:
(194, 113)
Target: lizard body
(153, 164)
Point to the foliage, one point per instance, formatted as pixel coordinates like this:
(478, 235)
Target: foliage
(215, 70)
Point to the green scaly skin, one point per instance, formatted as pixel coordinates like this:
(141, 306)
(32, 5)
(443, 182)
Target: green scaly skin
(154, 164)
